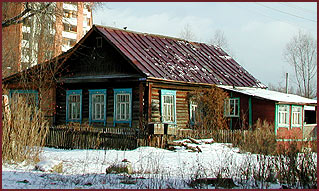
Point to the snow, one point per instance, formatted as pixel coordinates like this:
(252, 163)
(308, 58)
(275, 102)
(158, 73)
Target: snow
(226, 57)
(152, 168)
(271, 95)
(47, 165)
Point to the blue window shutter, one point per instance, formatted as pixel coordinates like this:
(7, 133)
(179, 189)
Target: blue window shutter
(68, 93)
(168, 92)
(91, 93)
(123, 91)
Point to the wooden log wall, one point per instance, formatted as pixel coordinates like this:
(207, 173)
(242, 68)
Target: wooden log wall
(182, 106)
(61, 102)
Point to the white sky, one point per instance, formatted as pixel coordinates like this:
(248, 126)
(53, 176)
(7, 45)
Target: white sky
(257, 33)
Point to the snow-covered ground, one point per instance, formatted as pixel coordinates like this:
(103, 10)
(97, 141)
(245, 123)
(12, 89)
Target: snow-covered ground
(152, 168)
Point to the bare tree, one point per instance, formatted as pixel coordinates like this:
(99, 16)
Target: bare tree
(301, 53)
(29, 10)
(219, 39)
(187, 34)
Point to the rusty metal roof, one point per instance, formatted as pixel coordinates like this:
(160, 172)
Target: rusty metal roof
(179, 60)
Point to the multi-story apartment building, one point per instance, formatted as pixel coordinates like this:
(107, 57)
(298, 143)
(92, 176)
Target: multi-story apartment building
(42, 36)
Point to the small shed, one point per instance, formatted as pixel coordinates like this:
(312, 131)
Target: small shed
(293, 116)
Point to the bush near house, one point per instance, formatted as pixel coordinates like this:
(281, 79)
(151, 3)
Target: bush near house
(210, 111)
(260, 140)
(24, 130)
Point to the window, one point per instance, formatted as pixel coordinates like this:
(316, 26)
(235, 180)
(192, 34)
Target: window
(73, 105)
(231, 108)
(193, 112)
(168, 102)
(296, 116)
(283, 115)
(28, 96)
(123, 106)
(97, 99)
(99, 42)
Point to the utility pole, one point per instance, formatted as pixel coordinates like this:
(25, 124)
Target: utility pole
(286, 82)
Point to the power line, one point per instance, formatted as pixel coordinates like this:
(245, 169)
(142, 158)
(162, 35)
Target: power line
(298, 8)
(285, 12)
(260, 13)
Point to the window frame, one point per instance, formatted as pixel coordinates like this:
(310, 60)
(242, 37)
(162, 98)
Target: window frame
(168, 93)
(126, 91)
(227, 104)
(300, 116)
(278, 116)
(36, 92)
(92, 93)
(71, 93)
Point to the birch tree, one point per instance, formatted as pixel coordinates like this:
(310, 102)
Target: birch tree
(301, 53)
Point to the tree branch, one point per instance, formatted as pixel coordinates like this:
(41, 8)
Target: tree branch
(20, 18)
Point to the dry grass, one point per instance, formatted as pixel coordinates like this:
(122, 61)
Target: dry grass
(24, 129)
(261, 140)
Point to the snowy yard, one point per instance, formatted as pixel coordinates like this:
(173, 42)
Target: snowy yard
(152, 168)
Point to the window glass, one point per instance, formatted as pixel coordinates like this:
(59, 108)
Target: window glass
(168, 108)
(283, 115)
(123, 107)
(74, 107)
(232, 107)
(98, 106)
(296, 116)
(193, 112)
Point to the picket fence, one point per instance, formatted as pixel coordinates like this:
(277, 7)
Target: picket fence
(106, 138)
(125, 138)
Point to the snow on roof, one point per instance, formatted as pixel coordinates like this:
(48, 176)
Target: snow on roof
(271, 95)
(179, 60)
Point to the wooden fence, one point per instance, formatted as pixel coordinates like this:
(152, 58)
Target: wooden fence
(126, 138)
(106, 138)
(229, 136)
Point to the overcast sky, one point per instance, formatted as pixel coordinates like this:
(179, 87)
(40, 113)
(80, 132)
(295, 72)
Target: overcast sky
(257, 33)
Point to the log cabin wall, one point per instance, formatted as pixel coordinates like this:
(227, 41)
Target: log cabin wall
(182, 103)
(61, 102)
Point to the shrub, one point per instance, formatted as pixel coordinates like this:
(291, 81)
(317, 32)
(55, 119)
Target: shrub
(210, 111)
(261, 140)
(296, 169)
(24, 130)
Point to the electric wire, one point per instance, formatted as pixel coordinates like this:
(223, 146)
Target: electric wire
(298, 8)
(285, 12)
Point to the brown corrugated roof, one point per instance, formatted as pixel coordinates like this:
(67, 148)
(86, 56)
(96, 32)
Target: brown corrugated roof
(176, 59)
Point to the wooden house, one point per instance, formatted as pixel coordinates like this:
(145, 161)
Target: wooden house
(117, 78)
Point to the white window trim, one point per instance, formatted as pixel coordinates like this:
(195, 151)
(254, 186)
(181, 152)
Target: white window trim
(119, 107)
(287, 115)
(300, 116)
(169, 93)
(127, 91)
(69, 109)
